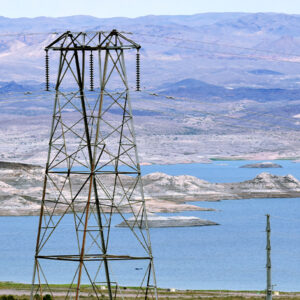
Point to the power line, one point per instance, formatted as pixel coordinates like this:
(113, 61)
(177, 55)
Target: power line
(27, 34)
(52, 32)
(168, 38)
(229, 54)
(192, 48)
(220, 45)
(205, 113)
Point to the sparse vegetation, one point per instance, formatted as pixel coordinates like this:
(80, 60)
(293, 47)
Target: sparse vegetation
(17, 288)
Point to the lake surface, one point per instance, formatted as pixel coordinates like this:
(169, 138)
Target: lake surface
(229, 256)
(225, 171)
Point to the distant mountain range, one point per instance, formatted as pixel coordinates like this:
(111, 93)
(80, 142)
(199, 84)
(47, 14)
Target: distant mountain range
(187, 88)
(213, 85)
(192, 88)
(228, 50)
(20, 87)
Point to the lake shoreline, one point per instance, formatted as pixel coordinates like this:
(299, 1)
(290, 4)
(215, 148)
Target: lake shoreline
(204, 160)
(21, 188)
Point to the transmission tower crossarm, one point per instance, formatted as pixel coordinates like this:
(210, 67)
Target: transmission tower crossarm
(61, 37)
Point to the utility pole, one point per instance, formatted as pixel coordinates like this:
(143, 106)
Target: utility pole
(268, 266)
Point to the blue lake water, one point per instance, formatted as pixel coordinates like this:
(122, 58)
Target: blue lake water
(229, 256)
(225, 171)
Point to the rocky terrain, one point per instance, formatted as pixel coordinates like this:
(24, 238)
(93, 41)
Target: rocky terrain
(189, 188)
(213, 85)
(21, 185)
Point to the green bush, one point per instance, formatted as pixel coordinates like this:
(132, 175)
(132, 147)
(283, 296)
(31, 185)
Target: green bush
(37, 297)
(47, 297)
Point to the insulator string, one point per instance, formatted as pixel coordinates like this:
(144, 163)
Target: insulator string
(47, 70)
(138, 71)
(91, 72)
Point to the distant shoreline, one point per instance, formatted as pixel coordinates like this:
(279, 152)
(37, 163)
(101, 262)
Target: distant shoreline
(208, 160)
(21, 190)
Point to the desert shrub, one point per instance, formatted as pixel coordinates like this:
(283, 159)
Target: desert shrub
(9, 297)
(47, 297)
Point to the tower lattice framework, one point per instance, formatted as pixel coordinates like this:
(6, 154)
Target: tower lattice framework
(92, 178)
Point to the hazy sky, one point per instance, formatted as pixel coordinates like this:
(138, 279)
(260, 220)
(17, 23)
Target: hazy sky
(135, 8)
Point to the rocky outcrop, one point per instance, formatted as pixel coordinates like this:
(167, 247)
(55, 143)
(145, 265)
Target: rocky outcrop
(155, 221)
(17, 166)
(265, 185)
(181, 188)
(266, 164)
(189, 188)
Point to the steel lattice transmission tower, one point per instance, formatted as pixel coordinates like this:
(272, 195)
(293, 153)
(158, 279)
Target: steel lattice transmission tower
(92, 178)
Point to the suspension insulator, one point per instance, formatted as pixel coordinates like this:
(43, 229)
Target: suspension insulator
(138, 71)
(91, 72)
(47, 70)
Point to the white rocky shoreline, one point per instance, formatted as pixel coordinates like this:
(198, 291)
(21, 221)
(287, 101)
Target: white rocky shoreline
(21, 187)
(155, 221)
